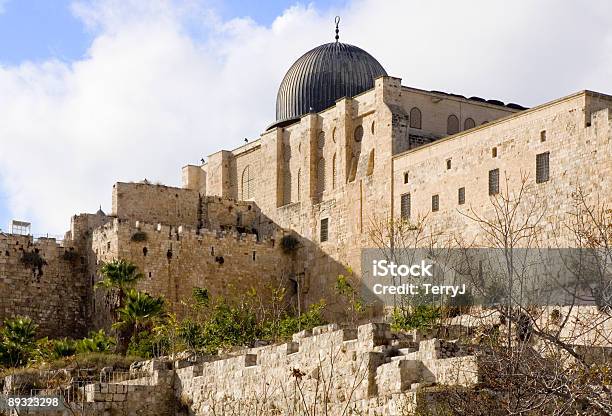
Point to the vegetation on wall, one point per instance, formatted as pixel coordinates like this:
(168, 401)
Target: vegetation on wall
(289, 243)
(139, 236)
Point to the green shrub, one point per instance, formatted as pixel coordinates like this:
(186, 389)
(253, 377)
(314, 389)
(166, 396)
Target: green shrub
(416, 317)
(139, 236)
(97, 341)
(63, 348)
(283, 329)
(148, 345)
(191, 333)
(229, 325)
(201, 296)
(17, 341)
(33, 259)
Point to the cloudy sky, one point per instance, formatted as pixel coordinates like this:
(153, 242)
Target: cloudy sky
(92, 92)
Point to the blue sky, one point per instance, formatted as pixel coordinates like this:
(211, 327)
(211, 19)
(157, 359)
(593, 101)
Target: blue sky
(98, 91)
(40, 30)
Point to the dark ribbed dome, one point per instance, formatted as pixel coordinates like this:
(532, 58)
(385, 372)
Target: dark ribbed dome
(322, 76)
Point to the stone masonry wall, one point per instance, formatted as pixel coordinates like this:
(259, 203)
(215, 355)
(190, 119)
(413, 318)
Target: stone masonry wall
(578, 143)
(174, 260)
(156, 204)
(54, 292)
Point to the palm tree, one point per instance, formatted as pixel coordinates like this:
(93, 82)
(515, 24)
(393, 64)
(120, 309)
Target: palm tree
(140, 312)
(119, 276)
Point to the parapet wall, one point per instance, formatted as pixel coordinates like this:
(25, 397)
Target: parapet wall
(46, 282)
(156, 204)
(174, 260)
(367, 369)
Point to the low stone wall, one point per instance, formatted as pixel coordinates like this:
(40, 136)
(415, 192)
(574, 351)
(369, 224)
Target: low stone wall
(366, 370)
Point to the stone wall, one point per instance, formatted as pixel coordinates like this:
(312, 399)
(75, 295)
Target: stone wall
(318, 169)
(578, 158)
(156, 203)
(174, 260)
(45, 281)
(365, 370)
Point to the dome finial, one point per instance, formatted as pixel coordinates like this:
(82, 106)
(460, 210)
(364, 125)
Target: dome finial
(337, 20)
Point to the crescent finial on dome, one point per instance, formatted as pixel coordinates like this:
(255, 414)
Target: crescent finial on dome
(337, 20)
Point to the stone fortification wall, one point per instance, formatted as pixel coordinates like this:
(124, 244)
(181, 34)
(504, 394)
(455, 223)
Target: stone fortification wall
(575, 132)
(174, 260)
(156, 203)
(45, 281)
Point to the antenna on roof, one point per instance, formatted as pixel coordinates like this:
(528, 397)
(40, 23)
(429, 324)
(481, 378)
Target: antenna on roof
(337, 20)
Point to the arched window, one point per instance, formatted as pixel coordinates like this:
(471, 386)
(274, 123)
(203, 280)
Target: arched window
(469, 123)
(287, 177)
(334, 171)
(299, 184)
(371, 163)
(415, 118)
(321, 176)
(321, 140)
(248, 184)
(353, 168)
(452, 124)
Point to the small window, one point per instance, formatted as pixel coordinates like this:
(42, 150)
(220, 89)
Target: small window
(372, 127)
(321, 176)
(494, 182)
(435, 203)
(405, 206)
(543, 136)
(405, 177)
(370, 170)
(254, 254)
(452, 124)
(321, 140)
(494, 152)
(542, 167)
(448, 164)
(415, 118)
(461, 195)
(358, 134)
(469, 123)
(324, 229)
(334, 172)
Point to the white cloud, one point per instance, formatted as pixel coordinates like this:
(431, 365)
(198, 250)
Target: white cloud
(166, 83)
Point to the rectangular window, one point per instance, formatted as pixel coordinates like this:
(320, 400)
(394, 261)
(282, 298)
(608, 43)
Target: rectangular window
(461, 195)
(543, 136)
(435, 203)
(494, 182)
(542, 167)
(405, 206)
(324, 229)
(405, 177)
(448, 164)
